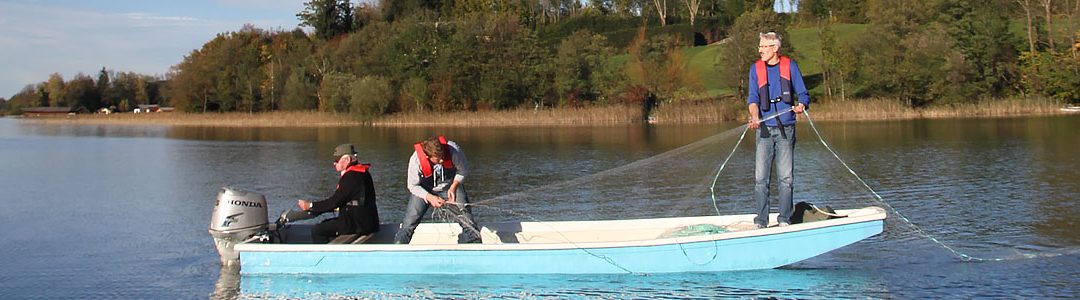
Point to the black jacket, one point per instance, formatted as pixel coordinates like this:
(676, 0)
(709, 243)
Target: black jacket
(355, 196)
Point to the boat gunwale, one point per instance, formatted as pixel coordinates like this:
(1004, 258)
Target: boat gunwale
(878, 214)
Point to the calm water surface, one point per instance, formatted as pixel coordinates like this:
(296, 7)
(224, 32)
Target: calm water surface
(122, 212)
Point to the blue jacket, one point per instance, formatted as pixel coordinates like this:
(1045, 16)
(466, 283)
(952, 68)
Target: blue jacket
(774, 91)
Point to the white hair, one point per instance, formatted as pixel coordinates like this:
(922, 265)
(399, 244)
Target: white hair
(770, 36)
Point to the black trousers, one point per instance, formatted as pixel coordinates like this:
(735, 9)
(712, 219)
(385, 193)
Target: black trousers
(327, 230)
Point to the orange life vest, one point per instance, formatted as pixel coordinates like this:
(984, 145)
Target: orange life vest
(786, 88)
(425, 163)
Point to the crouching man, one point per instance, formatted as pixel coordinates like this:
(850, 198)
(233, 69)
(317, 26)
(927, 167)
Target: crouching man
(437, 169)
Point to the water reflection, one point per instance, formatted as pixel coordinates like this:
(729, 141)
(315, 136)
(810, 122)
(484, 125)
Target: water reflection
(784, 283)
(228, 283)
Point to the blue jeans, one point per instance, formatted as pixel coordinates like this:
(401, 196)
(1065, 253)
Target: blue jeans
(772, 148)
(414, 212)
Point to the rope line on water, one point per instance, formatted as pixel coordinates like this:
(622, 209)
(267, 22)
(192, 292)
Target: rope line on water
(963, 256)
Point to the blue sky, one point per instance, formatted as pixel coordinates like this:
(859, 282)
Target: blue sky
(38, 38)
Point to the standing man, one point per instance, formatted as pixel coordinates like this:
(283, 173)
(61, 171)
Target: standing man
(775, 82)
(354, 197)
(437, 169)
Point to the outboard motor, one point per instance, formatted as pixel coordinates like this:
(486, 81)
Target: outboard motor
(239, 216)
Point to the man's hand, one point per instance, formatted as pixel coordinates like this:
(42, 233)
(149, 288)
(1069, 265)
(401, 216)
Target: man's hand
(798, 108)
(434, 201)
(755, 121)
(451, 196)
(451, 193)
(303, 204)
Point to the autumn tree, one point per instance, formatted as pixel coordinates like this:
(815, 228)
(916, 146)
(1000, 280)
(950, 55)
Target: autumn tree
(26, 97)
(55, 88)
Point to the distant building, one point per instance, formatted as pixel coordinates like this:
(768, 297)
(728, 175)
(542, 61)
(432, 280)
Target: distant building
(147, 108)
(51, 111)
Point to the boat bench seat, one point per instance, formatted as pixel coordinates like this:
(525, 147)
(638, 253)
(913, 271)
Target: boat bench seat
(351, 239)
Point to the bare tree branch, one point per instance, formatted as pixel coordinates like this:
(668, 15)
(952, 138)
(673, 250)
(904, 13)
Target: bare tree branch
(661, 9)
(692, 6)
(1026, 5)
(1049, 23)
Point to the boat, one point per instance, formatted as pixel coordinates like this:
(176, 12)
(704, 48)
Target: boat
(1071, 109)
(657, 245)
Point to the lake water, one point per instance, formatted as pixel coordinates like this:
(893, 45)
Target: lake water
(122, 211)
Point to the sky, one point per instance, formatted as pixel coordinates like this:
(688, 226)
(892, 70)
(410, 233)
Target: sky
(41, 37)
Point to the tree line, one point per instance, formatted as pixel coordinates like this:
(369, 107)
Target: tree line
(111, 89)
(381, 57)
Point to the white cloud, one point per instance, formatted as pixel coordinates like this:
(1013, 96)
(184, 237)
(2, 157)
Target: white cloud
(148, 19)
(284, 6)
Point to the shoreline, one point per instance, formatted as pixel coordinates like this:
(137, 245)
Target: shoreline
(711, 112)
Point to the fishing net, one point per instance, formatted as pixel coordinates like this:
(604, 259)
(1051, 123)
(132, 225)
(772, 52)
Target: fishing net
(694, 230)
(679, 183)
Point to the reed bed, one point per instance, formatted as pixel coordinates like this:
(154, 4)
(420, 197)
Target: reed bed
(264, 119)
(862, 109)
(700, 112)
(880, 109)
(997, 108)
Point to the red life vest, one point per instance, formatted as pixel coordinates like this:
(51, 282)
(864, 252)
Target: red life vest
(786, 88)
(425, 163)
(362, 168)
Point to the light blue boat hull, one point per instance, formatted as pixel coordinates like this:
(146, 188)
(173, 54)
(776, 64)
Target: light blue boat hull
(770, 248)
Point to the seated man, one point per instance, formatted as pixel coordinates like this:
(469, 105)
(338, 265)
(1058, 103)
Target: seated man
(355, 197)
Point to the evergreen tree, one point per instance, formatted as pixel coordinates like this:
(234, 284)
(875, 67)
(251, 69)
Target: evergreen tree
(329, 18)
(103, 86)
